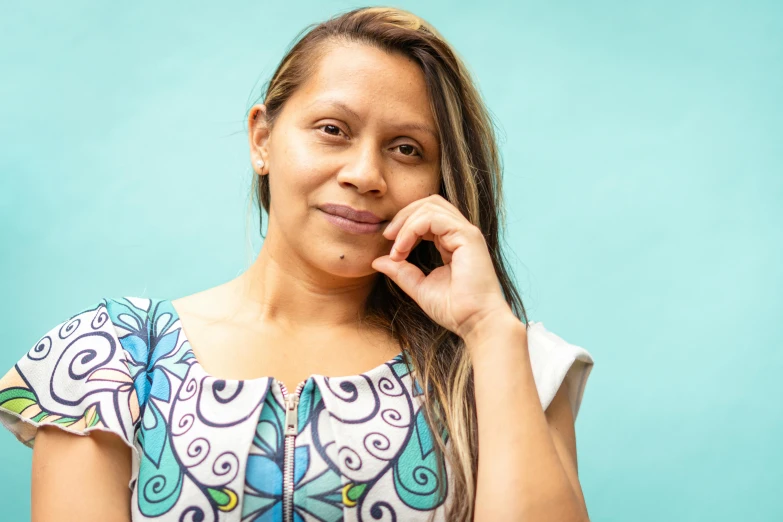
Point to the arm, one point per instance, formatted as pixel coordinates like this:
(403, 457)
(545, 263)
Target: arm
(80, 478)
(527, 457)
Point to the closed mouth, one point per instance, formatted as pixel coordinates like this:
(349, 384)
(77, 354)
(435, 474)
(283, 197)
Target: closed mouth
(352, 214)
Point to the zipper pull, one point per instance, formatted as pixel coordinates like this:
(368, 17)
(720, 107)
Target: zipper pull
(291, 417)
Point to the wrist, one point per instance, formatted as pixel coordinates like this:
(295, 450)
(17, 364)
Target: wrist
(491, 324)
(496, 344)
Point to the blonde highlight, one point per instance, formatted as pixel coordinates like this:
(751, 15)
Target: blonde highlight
(471, 174)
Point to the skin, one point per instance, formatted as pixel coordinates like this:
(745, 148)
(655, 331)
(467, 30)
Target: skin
(527, 469)
(80, 478)
(293, 312)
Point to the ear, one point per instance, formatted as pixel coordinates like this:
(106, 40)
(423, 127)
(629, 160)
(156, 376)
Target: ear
(258, 136)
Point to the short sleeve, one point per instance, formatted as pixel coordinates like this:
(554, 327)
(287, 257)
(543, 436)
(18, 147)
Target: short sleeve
(76, 377)
(555, 361)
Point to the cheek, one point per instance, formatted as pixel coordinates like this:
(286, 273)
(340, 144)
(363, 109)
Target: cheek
(407, 189)
(299, 163)
(296, 174)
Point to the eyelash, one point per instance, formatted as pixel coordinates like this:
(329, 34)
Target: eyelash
(415, 149)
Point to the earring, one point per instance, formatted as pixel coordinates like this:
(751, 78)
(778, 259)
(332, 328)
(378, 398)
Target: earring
(260, 164)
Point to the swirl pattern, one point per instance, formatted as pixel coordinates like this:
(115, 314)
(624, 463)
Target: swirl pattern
(211, 449)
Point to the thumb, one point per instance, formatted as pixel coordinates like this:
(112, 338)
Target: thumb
(406, 275)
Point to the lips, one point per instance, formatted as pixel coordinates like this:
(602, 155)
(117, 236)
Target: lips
(359, 216)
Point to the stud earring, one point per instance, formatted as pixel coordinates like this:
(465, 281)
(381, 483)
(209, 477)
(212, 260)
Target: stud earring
(260, 164)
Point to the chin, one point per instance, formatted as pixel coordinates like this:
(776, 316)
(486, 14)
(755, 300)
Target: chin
(350, 266)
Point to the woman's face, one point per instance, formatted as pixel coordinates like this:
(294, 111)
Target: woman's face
(359, 133)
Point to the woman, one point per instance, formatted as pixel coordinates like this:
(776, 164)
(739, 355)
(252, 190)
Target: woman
(360, 366)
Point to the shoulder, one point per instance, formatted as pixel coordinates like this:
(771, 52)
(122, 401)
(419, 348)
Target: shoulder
(85, 373)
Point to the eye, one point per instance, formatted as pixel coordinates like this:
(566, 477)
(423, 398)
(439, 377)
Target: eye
(331, 128)
(406, 148)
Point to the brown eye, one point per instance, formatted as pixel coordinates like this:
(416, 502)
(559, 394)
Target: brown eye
(332, 130)
(407, 150)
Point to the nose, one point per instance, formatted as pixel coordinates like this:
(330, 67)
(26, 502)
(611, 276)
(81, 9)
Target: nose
(364, 169)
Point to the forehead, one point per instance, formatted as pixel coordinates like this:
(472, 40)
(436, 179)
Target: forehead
(373, 82)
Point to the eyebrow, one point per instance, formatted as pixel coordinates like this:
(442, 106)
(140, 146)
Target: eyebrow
(403, 126)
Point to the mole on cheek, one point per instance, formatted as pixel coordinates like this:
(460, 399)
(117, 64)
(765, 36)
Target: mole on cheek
(342, 256)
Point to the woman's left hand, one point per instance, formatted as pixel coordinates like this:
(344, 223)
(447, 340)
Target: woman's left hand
(463, 292)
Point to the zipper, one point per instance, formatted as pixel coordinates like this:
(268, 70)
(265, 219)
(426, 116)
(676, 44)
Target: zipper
(291, 429)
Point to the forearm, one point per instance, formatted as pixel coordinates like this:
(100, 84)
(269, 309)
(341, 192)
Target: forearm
(520, 475)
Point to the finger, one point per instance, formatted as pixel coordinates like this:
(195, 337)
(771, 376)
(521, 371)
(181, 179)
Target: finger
(444, 254)
(415, 228)
(391, 230)
(427, 225)
(406, 275)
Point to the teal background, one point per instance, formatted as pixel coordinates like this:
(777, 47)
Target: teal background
(644, 176)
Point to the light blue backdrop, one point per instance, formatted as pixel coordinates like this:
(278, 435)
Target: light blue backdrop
(642, 145)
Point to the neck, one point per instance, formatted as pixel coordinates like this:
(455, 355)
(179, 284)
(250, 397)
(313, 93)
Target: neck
(292, 293)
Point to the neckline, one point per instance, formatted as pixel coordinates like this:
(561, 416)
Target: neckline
(185, 339)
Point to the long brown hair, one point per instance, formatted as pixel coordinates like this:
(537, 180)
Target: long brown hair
(470, 180)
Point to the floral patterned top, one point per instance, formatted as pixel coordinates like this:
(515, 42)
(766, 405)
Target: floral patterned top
(211, 449)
